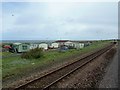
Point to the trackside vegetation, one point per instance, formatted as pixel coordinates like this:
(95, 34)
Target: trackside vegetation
(33, 54)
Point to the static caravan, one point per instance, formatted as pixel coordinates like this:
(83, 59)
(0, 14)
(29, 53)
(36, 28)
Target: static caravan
(19, 47)
(69, 43)
(87, 44)
(54, 45)
(61, 42)
(43, 45)
(79, 45)
(33, 46)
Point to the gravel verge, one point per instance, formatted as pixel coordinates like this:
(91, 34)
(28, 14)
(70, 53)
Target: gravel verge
(110, 80)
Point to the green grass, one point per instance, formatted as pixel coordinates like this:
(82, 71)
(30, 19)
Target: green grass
(15, 65)
(5, 53)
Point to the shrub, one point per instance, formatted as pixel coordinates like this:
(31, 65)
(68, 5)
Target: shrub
(32, 54)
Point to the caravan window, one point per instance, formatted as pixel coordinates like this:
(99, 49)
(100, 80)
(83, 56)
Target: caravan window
(24, 47)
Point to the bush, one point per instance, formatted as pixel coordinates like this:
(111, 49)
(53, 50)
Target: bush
(33, 54)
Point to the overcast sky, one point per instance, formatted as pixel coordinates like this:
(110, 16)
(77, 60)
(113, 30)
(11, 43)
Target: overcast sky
(63, 20)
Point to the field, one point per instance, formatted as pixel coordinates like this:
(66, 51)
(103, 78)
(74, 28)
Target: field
(4, 54)
(14, 66)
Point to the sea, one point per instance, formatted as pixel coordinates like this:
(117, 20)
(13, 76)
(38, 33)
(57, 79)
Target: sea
(27, 41)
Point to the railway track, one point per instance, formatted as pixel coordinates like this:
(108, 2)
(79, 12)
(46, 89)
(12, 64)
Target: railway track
(49, 79)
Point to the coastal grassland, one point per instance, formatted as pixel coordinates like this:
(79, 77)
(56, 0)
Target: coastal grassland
(14, 66)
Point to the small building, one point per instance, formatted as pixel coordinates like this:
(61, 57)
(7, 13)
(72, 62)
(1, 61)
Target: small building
(43, 45)
(21, 47)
